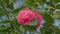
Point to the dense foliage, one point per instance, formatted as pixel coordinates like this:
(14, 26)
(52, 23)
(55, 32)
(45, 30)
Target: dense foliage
(49, 9)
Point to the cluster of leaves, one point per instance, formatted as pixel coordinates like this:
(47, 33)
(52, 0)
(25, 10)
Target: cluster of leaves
(8, 22)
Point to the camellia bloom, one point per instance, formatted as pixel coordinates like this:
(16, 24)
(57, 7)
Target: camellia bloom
(26, 15)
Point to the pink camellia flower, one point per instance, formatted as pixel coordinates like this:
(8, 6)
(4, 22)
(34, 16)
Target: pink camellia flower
(26, 15)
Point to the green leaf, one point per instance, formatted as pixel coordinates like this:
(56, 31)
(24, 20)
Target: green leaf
(22, 28)
(11, 6)
(58, 7)
(1, 13)
(57, 31)
(43, 1)
(29, 2)
(4, 22)
(48, 32)
(33, 22)
(13, 1)
(5, 2)
(55, 1)
(30, 27)
(3, 32)
(16, 11)
(2, 27)
(56, 16)
(42, 29)
(47, 17)
(1, 2)
(40, 1)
